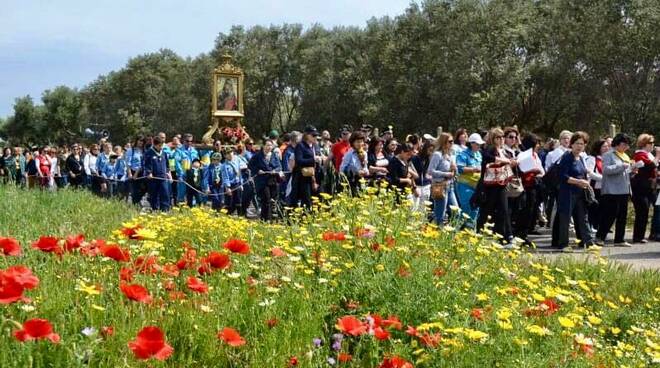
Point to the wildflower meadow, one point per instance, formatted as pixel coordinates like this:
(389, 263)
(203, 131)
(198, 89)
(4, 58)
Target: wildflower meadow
(359, 282)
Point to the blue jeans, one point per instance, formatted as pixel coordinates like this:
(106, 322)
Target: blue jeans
(440, 205)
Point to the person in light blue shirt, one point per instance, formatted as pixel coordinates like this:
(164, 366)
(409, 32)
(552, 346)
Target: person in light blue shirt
(468, 164)
(121, 171)
(232, 181)
(354, 163)
(212, 183)
(109, 173)
(102, 161)
(135, 167)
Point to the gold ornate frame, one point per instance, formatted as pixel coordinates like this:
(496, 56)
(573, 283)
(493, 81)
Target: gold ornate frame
(228, 70)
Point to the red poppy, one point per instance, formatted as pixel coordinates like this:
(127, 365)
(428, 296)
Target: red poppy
(218, 260)
(277, 252)
(293, 361)
(392, 321)
(10, 290)
(381, 334)
(107, 331)
(23, 276)
(115, 252)
(126, 274)
(478, 314)
(131, 232)
(231, 337)
(188, 260)
(136, 292)
(344, 357)
(204, 267)
(197, 285)
(404, 271)
(550, 306)
(330, 236)
(170, 269)
(237, 246)
(271, 322)
(150, 343)
(36, 329)
(146, 264)
(395, 362)
(390, 241)
(412, 331)
(49, 244)
(438, 272)
(10, 247)
(73, 242)
(351, 326)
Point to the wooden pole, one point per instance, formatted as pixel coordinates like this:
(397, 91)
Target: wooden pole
(612, 130)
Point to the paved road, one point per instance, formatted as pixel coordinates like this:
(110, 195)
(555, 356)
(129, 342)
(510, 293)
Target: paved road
(639, 256)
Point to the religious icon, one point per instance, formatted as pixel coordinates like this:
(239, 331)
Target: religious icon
(227, 93)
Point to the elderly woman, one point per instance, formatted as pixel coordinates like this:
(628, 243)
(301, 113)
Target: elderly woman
(572, 200)
(495, 205)
(267, 167)
(304, 170)
(468, 164)
(617, 167)
(644, 184)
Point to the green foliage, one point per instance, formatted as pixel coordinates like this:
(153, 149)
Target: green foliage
(543, 65)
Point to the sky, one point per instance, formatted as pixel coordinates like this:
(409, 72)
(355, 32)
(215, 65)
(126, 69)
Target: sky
(44, 44)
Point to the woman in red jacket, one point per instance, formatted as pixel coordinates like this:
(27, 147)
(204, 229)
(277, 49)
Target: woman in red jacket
(43, 166)
(643, 184)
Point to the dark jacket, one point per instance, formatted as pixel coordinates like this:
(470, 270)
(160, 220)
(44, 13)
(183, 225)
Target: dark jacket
(398, 170)
(304, 156)
(156, 164)
(258, 163)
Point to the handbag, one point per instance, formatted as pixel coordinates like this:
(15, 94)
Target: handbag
(307, 171)
(590, 196)
(438, 190)
(514, 188)
(497, 175)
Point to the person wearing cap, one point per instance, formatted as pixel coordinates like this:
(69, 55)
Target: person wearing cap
(305, 157)
(266, 165)
(232, 182)
(468, 163)
(387, 133)
(194, 178)
(212, 183)
(109, 175)
(158, 175)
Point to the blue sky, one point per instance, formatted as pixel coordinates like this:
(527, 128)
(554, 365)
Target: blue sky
(48, 43)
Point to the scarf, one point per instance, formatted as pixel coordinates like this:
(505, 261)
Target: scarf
(622, 156)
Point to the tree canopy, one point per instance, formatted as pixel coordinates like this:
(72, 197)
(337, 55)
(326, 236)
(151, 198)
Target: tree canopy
(543, 65)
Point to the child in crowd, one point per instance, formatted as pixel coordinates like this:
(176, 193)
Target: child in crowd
(109, 174)
(232, 181)
(194, 178)
(212, 183)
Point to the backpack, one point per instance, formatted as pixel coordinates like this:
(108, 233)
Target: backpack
(551, 179)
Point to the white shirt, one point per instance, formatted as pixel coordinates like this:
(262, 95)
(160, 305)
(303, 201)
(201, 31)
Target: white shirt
(554, 156)
(90, 164)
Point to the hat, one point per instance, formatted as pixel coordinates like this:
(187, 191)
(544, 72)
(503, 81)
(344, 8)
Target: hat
(476, 138)
(311, 130)
(367, 127)
(273, 134)
(429, 137)
(227, 150)
(388, 129)
(113, 156)
(196, 160)
(345, 129)
(216, 156)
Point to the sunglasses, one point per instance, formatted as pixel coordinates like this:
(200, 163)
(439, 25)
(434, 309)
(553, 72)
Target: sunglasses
(451, 141)
(512, 137)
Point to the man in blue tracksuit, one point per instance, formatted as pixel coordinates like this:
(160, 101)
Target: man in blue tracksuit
(212, 183)
(158, 176)
(232, 181)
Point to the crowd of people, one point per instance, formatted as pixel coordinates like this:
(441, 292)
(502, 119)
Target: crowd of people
(518, 183)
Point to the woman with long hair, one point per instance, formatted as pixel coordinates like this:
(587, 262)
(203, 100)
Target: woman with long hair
(377, 161)
(43, 165)
(421, 163)
(442, 170)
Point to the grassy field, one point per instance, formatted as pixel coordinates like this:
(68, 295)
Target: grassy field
(360, 283)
